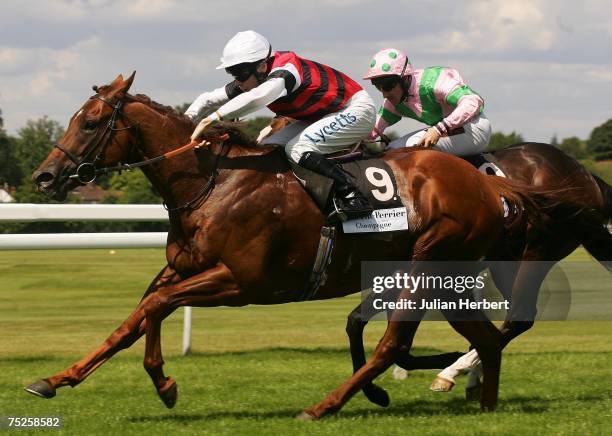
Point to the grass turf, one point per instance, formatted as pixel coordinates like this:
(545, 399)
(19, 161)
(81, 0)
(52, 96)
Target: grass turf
(255, 368)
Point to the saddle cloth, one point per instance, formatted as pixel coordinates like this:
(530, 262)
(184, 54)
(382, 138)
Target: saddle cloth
(373, 177)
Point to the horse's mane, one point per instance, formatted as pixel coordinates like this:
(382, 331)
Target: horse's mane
(158, 107)
(235, 130)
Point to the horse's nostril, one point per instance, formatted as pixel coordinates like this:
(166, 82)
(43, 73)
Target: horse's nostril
(43, 178)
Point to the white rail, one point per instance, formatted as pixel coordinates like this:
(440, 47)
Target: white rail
(21, 212)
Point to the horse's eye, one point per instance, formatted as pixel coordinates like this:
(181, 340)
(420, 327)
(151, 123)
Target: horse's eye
(90, 125)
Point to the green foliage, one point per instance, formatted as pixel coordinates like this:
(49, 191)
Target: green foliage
(34, 143)
(131, 187)
(599, 144)
(601, 169)
(253, 126)
(9, 171)
(181, 108)
(500, 140)
(574, 146)
(554, 140)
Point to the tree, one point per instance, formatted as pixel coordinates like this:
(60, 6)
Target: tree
(574, 146)
(554, 140)
(34, 143)
(131, 187)
(9, 169)
(253, 126)
(600, 141)
(181, 108)
(500, 140)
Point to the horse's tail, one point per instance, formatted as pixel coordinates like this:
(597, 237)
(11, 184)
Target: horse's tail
(560, 208)
(535, 204)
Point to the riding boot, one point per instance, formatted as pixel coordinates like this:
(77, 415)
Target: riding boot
(349, 202)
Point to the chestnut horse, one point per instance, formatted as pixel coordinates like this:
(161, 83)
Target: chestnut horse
(580, 219)
(243, 231)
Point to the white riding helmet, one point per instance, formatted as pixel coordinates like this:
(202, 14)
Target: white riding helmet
(247, 46)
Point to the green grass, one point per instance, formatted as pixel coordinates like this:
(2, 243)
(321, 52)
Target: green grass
(255, 368)
(603, 169)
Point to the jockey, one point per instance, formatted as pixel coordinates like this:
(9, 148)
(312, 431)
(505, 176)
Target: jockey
(436, 96)
(332, 111)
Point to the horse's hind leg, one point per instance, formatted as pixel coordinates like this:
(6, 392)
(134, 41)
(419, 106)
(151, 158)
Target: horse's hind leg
(504, 276)
(354, 329)
(487, 340)
(214, 287)
(123, 337)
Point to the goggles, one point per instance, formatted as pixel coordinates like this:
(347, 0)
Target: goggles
(241, 73)
(386, 83)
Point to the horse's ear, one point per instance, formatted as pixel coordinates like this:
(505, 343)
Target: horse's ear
(117, 82)
(129, 81)
(123, 86)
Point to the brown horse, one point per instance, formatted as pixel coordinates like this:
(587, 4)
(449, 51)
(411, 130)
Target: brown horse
(580, 219)
(243, 230)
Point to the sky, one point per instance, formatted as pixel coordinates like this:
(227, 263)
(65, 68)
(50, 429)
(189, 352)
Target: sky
(543, 67)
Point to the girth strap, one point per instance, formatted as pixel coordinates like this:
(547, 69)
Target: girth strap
(323, 259)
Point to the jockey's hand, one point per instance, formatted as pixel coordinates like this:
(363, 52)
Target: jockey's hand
(384, 139)
(375, 147)
(431, 137)
(200, 128)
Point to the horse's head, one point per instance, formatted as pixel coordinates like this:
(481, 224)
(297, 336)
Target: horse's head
(97, 136)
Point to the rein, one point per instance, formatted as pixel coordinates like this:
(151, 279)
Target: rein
(86, 172)
(210, 184)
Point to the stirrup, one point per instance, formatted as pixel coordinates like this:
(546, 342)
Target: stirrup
(343, 213)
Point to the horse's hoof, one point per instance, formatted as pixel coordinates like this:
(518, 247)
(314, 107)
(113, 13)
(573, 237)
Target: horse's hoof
(169, 393)
(377, 395)
(305, 416)
(473, 393)
(42, 389)
(441, 385)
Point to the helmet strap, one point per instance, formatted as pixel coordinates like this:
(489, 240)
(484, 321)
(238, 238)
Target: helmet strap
(405, 83)
(261, 77)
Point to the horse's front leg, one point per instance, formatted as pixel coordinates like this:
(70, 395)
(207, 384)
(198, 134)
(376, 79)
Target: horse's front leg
(214, 287)
(123, 337)
(397, 340)
(398, 335)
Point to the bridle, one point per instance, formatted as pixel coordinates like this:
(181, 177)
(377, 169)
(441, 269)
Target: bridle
(86, 171)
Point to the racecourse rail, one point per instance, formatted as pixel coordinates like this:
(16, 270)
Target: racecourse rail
(21, 212)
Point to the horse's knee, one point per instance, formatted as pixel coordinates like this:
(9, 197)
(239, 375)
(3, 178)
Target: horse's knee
(354, 326)
(515, 328)
(151, 364)
(386, 353)
(154, 304)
